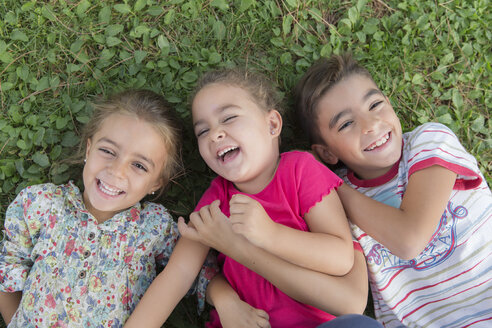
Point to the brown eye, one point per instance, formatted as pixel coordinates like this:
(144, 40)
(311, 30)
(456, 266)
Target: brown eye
(376, 104)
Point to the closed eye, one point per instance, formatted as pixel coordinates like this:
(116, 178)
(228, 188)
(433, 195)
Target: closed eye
(201, 132)
(374, 105)
(106, 151)
(229, 118)
(345, 125)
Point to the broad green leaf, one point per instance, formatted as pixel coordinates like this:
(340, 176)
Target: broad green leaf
(111, 41)
(326, 50)
(467, 49)
(245, 4)
(38, 136)
(155, 10)
(22, 72)
(18, 35)
(478, 125)
(190, 77)
(122, 8)
(292, 3)
(82, 7)
(69, 139)
(457, 99)
(286, 58)
(353, 15)
(169, 17)
(105, 15)
(214, 58)
(286, 24)
(76, 46)
(221, 4)
(61, 122)
(219, 30)
(47, 12)
(7, 86)
(139, 5)
(139, 56)
(41, 159)
(162, 42)
(418, 79)
(21, 144)
(445, 119)
(113, 30)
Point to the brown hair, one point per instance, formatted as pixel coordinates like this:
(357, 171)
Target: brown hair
(145, 105)
(262, 91)
(315, 83)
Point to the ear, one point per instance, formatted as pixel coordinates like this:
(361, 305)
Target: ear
(324, 153)
(274, 122)
(157, 185)
(87, 147)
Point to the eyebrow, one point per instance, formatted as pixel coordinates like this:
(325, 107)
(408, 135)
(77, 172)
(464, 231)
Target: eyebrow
(140, 156)
(219, 110)
(346, 111)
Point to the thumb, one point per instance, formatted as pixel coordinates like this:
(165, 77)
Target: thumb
(187, 231)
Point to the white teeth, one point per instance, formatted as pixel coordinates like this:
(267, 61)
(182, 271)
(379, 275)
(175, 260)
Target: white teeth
(225, 151)
(380, 142)
(108, 190)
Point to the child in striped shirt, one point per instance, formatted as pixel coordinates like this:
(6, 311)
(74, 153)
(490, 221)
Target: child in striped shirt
(418, 204)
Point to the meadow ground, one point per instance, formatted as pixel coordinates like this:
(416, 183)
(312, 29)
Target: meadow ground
(431, 58)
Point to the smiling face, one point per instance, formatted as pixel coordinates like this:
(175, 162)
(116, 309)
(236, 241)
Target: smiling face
(125, 158)
(237, 139)
(359, 127)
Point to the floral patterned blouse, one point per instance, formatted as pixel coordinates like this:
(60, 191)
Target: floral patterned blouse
(74, 272)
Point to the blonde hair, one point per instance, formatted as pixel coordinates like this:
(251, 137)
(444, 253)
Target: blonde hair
(145, 105)
(262, 91)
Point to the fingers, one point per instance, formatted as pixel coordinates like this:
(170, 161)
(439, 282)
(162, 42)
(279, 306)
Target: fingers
(187, 231)
(240, 198)
(263, 319)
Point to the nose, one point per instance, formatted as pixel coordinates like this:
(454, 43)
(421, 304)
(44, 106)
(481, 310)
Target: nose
(368, 124)
(117, 168)
(217, 134)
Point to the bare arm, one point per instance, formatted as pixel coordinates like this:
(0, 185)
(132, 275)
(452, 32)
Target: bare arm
(334, 294)
(233, 312)
(327, 247)
(170, 285)
(405, 231)
(9, 302)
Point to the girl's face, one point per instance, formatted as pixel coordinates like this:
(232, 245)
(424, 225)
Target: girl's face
(359, 127)
(124, 161)
(237, 139)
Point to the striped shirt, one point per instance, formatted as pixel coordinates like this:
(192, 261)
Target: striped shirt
(449, 284)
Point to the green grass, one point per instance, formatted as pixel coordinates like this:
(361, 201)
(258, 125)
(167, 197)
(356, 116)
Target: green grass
(432, 58)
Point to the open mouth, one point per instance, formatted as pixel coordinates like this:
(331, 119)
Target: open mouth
(227, 153)
(379, 142)
(108, 190)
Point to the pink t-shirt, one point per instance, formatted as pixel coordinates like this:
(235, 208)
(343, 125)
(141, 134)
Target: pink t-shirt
(299, 183)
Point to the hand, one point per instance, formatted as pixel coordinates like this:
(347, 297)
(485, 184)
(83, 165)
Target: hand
(248, 218)
(239, 314)
(208, 226)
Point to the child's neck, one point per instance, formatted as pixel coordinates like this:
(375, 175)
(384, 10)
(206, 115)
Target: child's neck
(260, 182)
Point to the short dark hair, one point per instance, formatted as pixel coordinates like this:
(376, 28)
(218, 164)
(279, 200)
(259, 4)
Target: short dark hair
(315, 83)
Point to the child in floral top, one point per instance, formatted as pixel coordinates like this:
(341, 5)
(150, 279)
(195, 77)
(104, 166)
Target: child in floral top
(84, 259)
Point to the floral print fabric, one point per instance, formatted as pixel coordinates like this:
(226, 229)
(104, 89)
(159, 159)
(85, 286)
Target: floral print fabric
(74, 272)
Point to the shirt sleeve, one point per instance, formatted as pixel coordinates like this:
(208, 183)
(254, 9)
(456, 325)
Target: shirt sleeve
(435, 144)
(169, 234)
(23, 222)
(314, 181)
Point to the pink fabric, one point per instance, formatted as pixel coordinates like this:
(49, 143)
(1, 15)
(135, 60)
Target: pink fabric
(299, 183)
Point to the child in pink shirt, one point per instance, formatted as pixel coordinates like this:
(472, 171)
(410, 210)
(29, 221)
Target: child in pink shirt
(285, 243)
